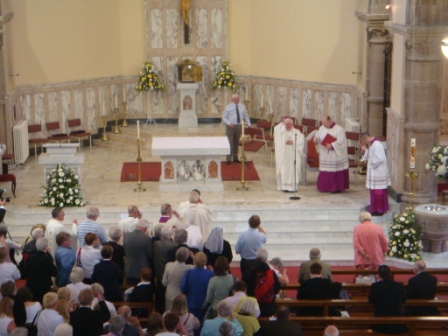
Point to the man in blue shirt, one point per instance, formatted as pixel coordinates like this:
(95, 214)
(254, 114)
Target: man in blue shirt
(234, 114)
(249, 242)
(65, 258)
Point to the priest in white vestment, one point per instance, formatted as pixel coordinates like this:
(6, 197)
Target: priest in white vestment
(377, 174)
(333, 158)
(54, 226)
(198, 214)
(289, 144)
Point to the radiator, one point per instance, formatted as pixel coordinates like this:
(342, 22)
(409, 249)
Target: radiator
(20, 139)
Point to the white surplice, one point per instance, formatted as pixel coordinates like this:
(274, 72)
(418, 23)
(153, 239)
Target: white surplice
(200, 215)
(335, 159)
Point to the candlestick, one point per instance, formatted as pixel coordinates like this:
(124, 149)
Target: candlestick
(103, 112)
(138, 129)
(116, 101)
(124, 92)
(104, 136)
(413, 150)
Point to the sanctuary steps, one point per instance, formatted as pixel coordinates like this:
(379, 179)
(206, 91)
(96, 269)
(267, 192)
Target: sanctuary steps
(291, 232)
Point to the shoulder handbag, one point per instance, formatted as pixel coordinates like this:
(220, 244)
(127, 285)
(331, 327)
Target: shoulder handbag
(32, 327)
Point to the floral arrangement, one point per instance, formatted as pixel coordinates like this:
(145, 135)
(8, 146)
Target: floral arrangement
(439, 162)
(149, 80)
(62, 189)
(225, 78)
(405, 237)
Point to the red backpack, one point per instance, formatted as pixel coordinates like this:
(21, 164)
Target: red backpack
(264, 290)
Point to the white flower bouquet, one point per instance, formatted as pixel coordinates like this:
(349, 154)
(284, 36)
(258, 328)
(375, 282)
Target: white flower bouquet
(62, 189)
(148, 79)
(405, 237)
(439, 162)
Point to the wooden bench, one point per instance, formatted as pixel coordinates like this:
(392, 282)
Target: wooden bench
(363, 324)
(350, 287)
(326, 304)
(149, 306)
(394, 271)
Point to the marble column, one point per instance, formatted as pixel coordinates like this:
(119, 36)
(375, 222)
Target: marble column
(417, 27)
(376, 40)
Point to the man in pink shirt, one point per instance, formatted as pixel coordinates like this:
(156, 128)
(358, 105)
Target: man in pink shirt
(369, 242)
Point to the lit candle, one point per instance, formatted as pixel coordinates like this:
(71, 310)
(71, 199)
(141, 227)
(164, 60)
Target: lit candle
(138, 129)
(103, 112)
(124, 93)
(116, 101)
(413, 150)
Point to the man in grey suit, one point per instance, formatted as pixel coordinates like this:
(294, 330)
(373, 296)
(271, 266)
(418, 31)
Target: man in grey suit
(161, 248)
(314, 258)
(138, 249)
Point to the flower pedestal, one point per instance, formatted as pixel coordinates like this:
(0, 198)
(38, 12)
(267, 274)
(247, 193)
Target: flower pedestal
(187, 116)
(61, 153)
(433, 220)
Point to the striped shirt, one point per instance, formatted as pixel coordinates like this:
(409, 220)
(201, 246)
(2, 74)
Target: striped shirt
(91, 226)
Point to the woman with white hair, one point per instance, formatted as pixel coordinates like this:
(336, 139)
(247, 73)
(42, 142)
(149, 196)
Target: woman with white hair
(115, 234)
(76, 286)
(216, 246)
(40, 268)
(246, 317)
(49, 318)
(172, 277)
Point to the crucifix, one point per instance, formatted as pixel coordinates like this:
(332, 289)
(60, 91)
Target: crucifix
(185, 10)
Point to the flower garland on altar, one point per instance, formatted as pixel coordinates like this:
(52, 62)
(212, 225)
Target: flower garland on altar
(405, 237)
(149, 80)
(439, 162)
(225, 77)
(62, 189)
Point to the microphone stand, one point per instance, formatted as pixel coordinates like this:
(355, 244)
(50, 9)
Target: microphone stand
(295, 197)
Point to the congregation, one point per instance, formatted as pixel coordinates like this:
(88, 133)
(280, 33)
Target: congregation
(182, 266)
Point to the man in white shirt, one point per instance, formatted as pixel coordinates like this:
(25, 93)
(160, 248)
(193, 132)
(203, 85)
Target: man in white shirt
(127, 224)
(54, 226)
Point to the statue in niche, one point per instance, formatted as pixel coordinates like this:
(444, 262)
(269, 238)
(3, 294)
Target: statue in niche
(169, 170)
(198, 171)
(184, 172)
(187, 103)
(213, 169)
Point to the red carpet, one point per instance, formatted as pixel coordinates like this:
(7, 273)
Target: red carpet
(151, 172)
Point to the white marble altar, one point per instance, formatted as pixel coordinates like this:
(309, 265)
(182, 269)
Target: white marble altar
(190, 162)
(187, 105)
(65, 153)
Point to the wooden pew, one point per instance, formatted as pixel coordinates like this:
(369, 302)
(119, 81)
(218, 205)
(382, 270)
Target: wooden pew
(326, 304)
(350, 287)
(149, 306)
(364, 324)
(394, 271)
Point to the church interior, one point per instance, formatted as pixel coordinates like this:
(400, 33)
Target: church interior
(129, 75)
(372, 65)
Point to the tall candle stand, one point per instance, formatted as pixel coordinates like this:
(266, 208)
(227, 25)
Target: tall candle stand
(412, 175)
(243, 161)
(139, 167)
(104, 136)
(125, 123)
(117, 130)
